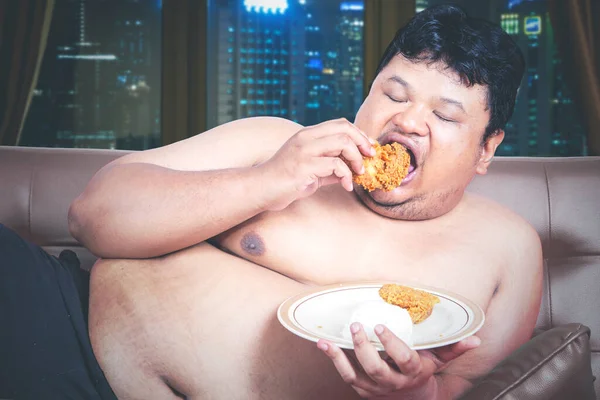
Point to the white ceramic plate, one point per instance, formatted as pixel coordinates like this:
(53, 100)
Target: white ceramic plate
(323, 313)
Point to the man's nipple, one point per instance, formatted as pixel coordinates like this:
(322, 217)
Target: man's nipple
(253, 244)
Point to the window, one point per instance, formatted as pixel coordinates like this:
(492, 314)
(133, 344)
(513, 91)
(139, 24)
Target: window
(545, 121)
(305, 60)
(297, 59)
(99, 83)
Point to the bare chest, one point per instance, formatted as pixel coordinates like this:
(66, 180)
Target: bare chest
(317, 243)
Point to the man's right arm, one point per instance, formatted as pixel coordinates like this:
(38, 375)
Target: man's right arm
(158, 201)
(154, 202)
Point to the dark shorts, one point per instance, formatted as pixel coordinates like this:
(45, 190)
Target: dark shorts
(45, 350)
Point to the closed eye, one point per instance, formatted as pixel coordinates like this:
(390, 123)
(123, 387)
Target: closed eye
(395, 100)
(443, 118)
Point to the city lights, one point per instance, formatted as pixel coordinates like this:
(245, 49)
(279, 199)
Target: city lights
(545, 120)
(510, 23)
(266, 6)
(533, 25)
(315, 63)
(304, 63)
(352, 6)
(97, 57)
(301, 60)
(95, 83)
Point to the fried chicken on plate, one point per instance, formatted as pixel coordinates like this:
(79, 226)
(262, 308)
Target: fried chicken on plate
(418, 303)
(386, 169)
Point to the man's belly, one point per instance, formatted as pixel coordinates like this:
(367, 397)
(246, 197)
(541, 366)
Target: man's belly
(204, 322)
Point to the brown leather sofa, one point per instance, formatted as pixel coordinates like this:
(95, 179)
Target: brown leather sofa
(559, 197)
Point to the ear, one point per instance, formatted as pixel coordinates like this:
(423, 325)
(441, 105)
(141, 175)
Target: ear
(488, 149)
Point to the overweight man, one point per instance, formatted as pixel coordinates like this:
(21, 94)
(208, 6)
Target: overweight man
(201, 240)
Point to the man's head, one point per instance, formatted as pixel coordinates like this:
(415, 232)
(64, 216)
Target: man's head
(445, 88)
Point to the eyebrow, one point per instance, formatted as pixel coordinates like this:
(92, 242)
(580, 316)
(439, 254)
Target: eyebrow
(454, 103)
(397, 79)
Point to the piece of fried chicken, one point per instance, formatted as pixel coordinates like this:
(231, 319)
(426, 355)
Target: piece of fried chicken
(418, 303)
(386, 169)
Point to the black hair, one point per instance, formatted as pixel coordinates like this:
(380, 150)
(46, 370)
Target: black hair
(480, 52)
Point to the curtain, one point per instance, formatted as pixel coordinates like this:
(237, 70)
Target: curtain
(576, 26)
(24, 27)
(382, 19)
(184, 66)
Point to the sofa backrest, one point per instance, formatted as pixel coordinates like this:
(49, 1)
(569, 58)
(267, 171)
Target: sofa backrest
(560, 197)
(37, 186)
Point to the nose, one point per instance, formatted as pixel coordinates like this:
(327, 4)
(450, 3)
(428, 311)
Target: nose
(412, 120)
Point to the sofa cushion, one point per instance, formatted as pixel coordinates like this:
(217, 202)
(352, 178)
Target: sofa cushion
(554, 365)
(38, 186)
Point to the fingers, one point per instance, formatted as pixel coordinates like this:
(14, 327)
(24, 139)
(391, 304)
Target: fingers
(449, 353)
(360, 139)
(338, 145)
(326, 168)
(330, 152)
(378, 378)
(370, 360)
(331, 180)
(408, 361)
(346, 370)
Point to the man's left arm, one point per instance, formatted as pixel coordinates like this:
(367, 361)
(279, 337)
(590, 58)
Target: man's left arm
(448, 372)
(510, 316)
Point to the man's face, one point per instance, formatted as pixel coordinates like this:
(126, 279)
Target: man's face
(441, 121)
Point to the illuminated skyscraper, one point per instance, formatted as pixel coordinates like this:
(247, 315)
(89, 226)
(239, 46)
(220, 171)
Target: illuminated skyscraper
(510, 23)
(333, 59)
(530, 121)
(260, 63)
(297, 59)
(138, 76)
(350, 58)
(94, 88)
(315, 89)
(545, 122)
(69, 98)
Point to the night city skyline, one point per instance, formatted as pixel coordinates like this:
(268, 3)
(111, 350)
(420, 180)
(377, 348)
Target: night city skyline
(545, 120)
(99, 85)
(300, 60)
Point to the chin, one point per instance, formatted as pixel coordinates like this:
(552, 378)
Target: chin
(405, 204)
(396, 197)
(381, 202)
(386, 206)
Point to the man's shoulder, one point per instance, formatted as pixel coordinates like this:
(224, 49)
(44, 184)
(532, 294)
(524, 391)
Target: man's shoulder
(244, 133)
(502, 224)
(277, 125)
(509, 241)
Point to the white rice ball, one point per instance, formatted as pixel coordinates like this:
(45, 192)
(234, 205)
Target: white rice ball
(375, 312)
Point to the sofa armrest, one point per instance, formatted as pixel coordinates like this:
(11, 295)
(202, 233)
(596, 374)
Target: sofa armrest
(554, 365)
